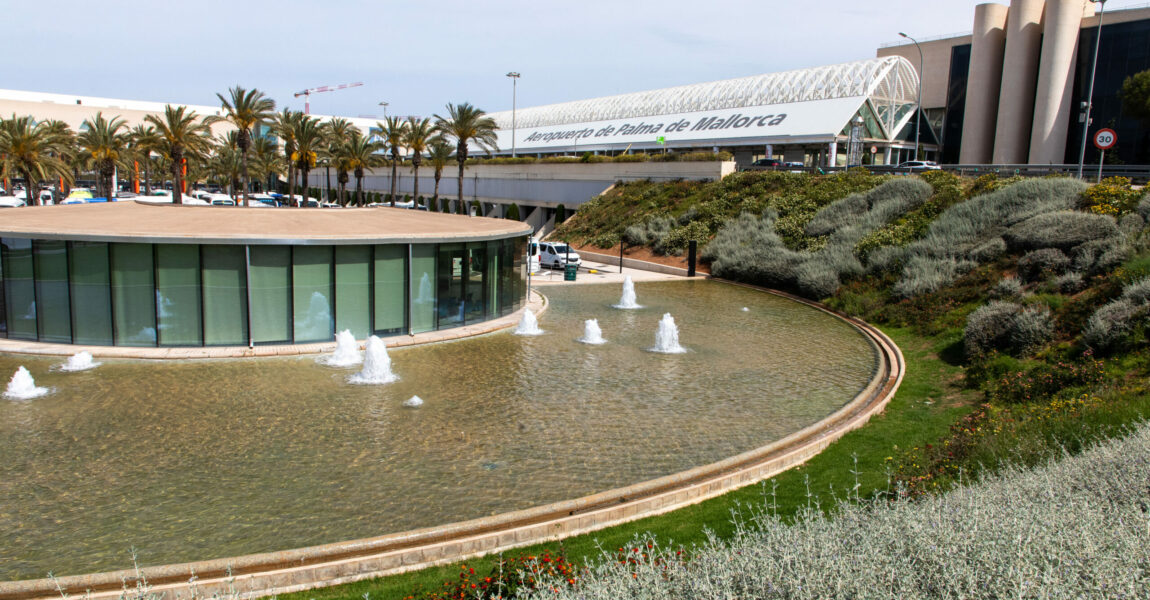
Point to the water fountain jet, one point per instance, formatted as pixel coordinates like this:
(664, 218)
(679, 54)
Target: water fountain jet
(80, 361)
(346, 351)
(667, 337)
(23, 387)
(413, 402)
(627, 301)
(592, 334)
(528, 324)
(376, 365)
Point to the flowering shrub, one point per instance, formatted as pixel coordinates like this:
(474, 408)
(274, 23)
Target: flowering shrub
(509, 578)
(931, 467)
(1111, 196)
(1043, 380)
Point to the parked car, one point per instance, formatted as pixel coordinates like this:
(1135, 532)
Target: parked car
(919, 165)
(555, 255)
(768, 162)
(11, 202)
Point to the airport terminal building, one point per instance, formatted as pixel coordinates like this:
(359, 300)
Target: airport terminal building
(1011, 92)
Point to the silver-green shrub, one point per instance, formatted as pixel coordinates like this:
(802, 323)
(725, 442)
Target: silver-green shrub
(1069, 283)
(1131, 223)
(990, 327)
(1008, 287)
(1110, 324)
(1071, 529)
(964, 227)
(1062, 229)
(1039, 264)
(988, 250)
(871, 209)
(925, 274)
(1031, 329)
(1144, 206)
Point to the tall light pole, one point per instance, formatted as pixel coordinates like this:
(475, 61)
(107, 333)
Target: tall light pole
(514, 82)
(1090, 92)
(918, 109)
(384, 105)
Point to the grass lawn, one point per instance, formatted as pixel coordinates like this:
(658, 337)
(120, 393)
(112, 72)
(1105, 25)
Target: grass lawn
(930, 400)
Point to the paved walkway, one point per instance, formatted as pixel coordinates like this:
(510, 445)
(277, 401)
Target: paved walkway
(595, 272)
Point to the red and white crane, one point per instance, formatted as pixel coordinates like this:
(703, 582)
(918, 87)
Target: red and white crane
(323, 88)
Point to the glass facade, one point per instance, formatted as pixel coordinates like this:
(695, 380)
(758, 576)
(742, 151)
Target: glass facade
(1123, 51)
(129, 294)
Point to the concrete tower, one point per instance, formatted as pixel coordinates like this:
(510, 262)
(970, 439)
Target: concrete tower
(984, 82)
(1061, 25)
(1019, 79)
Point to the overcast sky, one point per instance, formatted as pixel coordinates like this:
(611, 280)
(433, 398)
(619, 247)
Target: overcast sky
(418, 55)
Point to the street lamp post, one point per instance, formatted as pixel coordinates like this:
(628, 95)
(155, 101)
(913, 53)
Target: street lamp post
(514, 83)
(384, 105)
(1090, 93)
(918, 107)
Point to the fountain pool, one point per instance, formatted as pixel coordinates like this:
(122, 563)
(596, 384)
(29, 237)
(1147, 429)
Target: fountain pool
(191, 460)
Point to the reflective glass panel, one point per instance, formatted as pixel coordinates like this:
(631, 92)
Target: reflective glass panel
(225, 296)
(353, 265)
(91, 294)
(391, 289)
(475, 296)
(450, 276)
(423, 301)
(178, 294)
(271, 293)
(311, 282)
(133, 295)
(52, 310)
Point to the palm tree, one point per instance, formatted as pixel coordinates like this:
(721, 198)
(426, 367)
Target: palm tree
(464, 124)
(266, 160)
(37, 151)
(182, 134)
(103, 145)
(337, 133)
(245, 109)
(227, 163)
(142, 140)
(284, 128)
(419, 133)
(394, 132)
(439, 152)
(308, 140)
(361, 154)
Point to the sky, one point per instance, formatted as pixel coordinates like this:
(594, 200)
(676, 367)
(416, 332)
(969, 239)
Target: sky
(418, 56)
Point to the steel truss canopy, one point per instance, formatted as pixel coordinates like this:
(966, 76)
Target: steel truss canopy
(813, 104)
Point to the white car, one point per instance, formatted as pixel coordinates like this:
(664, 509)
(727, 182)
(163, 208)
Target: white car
(919, 165)
(11, 202)
(556, 255)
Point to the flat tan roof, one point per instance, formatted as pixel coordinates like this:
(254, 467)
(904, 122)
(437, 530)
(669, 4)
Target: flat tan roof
(186, 224)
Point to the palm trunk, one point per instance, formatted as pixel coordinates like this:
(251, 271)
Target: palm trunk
(29, 185)
(438, 175)
(415, 175)
(394, 167)
(461, 182)
(177, 178)
(291, 180)
(147, 177)
(244, 162)
(303, 171)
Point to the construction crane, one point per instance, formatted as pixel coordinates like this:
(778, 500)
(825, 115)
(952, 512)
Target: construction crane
(324, 88)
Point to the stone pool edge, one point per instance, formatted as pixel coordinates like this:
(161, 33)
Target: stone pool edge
(343, 562)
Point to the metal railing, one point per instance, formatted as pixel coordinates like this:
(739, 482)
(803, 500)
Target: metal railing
(1139, 174)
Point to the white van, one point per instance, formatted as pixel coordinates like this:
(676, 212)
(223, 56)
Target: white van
(555, 255)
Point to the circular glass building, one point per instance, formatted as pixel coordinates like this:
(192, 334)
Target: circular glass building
(134, 274)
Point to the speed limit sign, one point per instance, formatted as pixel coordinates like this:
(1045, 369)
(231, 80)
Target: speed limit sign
(1105, 139)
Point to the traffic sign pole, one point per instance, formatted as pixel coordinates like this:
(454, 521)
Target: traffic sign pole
(1104, 139)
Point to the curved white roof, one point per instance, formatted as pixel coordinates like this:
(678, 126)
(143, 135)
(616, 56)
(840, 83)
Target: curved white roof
(889, 82)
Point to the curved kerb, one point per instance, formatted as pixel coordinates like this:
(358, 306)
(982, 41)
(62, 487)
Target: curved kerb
(330, 564)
